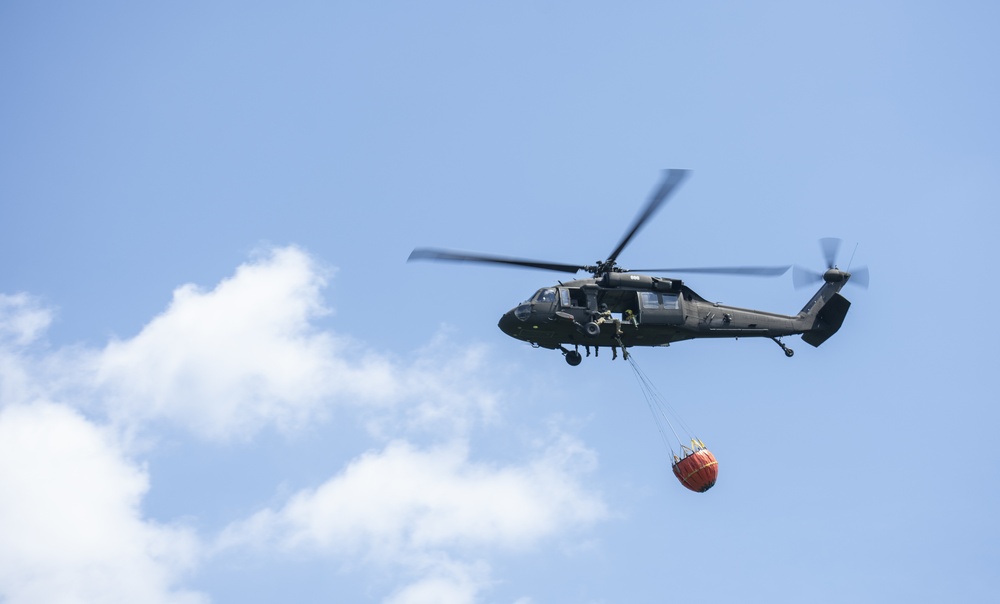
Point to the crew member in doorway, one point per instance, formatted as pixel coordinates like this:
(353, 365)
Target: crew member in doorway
(605, 316)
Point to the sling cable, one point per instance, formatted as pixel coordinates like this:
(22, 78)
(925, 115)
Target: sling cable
(694, 466)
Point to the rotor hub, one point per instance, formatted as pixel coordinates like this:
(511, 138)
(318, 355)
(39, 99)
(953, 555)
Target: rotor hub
(835, 275)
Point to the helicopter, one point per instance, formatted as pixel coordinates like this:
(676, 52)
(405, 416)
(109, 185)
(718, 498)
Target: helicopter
(620, 308)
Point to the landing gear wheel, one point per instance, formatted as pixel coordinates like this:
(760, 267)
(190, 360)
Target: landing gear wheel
(788, 351)
(573, 358)
(592, 329)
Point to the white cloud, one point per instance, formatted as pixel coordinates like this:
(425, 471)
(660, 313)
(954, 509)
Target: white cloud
(445, 582)
(404, 499)
(231, 359)
(22, 318)
(444, 389)
(437, 590)
(22, 321)
(427, 512)
(224, 363)
(227, 362)
(70, 527)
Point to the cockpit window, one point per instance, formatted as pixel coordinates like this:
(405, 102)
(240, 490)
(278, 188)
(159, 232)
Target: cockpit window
(546, 295)
(564, 298)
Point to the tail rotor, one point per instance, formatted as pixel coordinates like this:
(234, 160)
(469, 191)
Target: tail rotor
(830, 248)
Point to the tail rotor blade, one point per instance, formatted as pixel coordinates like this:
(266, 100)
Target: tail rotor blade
(830, 246)
(860, 277)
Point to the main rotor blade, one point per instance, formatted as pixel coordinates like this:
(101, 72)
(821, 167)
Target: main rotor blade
(753, 271)
(671, 179)
(432, 254)
(803, 277)
(830, 246)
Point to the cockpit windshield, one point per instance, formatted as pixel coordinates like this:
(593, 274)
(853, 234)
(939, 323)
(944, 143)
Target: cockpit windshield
(545, 295)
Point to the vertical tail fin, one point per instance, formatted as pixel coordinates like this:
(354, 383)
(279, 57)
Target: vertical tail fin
(824, 318)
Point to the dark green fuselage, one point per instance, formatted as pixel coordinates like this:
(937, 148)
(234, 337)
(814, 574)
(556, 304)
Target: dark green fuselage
(664, 311)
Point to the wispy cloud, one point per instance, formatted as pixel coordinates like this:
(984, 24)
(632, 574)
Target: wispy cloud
(443, 581)
(22, 318)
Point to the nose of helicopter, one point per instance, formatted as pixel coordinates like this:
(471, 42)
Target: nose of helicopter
(508, 323)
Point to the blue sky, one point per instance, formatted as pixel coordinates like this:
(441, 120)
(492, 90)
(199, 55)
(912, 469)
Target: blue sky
(220, 380)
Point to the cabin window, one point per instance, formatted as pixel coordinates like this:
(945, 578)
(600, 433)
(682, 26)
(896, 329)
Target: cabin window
(670, 301)
(572, 297)
(649, 299)
(546, 295)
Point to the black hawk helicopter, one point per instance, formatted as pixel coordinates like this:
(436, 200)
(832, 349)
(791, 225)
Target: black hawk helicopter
(621, 308)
